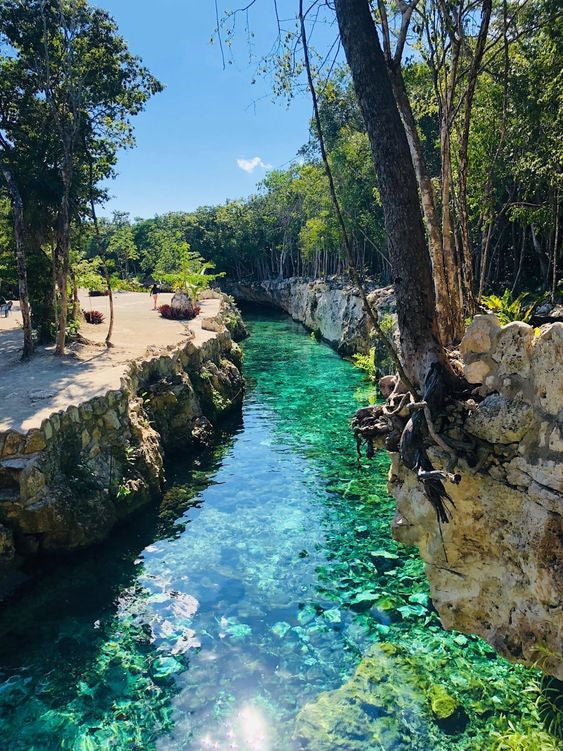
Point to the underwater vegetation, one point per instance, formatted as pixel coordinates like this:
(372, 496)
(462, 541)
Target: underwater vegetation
(261, 605)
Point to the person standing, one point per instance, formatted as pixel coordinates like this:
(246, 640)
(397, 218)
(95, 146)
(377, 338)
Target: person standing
(154, 293)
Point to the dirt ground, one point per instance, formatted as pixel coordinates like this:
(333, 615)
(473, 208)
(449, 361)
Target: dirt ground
(31, 391)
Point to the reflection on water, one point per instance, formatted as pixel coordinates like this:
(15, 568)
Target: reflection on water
(257, 584)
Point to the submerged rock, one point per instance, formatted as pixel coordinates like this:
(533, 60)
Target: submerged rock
(385, 704)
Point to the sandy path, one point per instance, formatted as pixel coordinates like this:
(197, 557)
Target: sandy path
(30, 392)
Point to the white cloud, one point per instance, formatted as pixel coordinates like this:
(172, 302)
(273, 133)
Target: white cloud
(249, 165)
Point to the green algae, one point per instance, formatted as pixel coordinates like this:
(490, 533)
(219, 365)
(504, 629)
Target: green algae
(443, 705)
(254, 588)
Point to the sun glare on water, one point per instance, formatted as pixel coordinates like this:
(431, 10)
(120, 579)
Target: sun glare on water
(247, 731)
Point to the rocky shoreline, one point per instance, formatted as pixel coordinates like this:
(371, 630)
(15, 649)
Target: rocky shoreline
(503, 579)
(65, 485)
(332, 307)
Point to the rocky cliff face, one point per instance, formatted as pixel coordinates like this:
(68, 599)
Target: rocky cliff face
(332, 308)
(503, 577)
(65, 485)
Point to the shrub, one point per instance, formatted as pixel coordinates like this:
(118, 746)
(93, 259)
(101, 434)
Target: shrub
(366, 363)
(177, 314)
(508, 308)
(131, 284)
(93, 316)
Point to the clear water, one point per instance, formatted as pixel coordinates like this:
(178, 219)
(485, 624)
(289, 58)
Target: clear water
(267, 570)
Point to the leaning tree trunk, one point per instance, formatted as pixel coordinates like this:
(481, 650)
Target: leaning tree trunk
(409, 255)
(450, 320)
(17, 209)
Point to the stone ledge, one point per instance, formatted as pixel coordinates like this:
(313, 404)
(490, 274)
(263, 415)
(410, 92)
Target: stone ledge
(64, 485)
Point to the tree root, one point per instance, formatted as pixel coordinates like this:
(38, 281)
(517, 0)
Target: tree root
(408, 425)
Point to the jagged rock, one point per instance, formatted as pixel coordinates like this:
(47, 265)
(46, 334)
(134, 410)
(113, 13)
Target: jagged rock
(546, 362)
(212, 324)
(332, 308)
(503, 578)
(477, 372)
(182, 301)
(513, 349)
(499, 420)
(480, 336)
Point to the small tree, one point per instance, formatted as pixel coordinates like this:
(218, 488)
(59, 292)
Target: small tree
(190, 273)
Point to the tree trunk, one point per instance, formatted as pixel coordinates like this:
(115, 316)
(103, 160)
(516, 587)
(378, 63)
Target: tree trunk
(409, 255)
(467, 264)
(451, 328)
(75, 300)
(553, 294)
(451, 269)
(63, 252)
(17, 209)
(110, 299)
(62, 279)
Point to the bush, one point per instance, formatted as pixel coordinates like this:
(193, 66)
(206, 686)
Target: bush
(177, 314)
(508, 308)
(131, 284)
(93, 316)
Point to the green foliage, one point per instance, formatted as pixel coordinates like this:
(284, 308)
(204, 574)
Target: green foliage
(69, 88)
(366, 363)
(87, 273)
(534, 740)
(189, 272)
(129, 284)
(508, 308)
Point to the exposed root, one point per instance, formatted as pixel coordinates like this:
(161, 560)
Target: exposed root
(409, 426)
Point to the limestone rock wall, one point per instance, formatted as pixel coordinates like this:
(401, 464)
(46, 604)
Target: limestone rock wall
(503, 577)
(65, 485)
(333, 308)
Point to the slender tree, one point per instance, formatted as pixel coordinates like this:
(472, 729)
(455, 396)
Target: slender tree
(19, 235)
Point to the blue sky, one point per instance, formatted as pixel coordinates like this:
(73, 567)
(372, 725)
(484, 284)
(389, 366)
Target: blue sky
(190, 136)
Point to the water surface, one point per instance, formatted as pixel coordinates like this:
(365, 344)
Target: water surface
(267, 570)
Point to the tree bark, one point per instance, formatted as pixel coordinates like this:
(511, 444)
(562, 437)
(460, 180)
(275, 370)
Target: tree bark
(17, 210)
(63, 250)
(450, 327)
(467, 261)
(409, 255)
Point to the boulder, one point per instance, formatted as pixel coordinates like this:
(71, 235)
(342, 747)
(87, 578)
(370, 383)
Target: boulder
(183, 302)
(500, 420)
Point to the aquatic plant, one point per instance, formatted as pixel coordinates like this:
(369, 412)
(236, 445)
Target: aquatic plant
(443, 705)
(535, 740)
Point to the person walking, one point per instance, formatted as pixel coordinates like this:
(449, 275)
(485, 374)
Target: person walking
(154, 293)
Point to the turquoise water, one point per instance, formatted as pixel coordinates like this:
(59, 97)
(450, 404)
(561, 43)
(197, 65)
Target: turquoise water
(266, 571)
